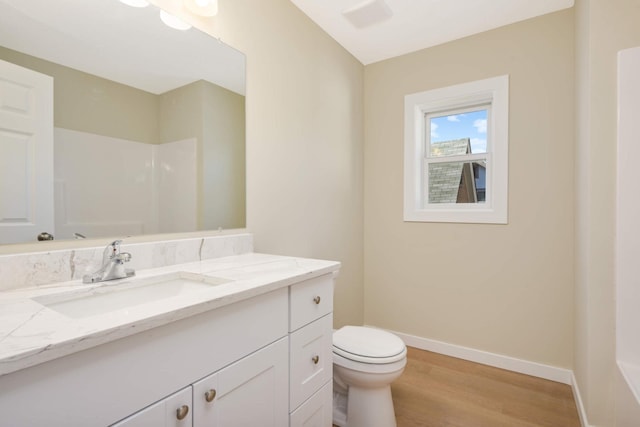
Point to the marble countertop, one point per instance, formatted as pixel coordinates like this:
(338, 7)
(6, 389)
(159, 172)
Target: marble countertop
(31, 333)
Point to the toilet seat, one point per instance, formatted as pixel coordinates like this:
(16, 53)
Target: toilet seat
(368, 345)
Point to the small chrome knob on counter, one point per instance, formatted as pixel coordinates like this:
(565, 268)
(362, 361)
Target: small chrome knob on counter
(315, 359)
(182, 412)
(317, 300)
(210, 395)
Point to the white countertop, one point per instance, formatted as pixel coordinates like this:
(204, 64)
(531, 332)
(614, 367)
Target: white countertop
(31, 333)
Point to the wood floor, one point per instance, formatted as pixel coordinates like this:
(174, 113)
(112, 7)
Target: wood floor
(441, 391)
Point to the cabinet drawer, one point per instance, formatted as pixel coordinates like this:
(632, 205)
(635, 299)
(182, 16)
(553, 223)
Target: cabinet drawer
(310, 300)
(311, 362)
(315, 412)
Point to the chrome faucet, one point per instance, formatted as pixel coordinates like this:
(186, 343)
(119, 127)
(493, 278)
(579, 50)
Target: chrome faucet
(112, 265)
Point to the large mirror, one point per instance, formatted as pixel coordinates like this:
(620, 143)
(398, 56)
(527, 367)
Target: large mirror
(148, 126)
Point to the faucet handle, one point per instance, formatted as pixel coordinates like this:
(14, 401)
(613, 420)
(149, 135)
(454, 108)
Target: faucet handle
(110, 251)
(115, 248)
(117, 255)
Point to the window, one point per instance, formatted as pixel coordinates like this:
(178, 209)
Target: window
(456, 153)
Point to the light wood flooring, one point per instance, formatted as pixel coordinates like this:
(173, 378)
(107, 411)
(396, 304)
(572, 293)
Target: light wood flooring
(441, 391)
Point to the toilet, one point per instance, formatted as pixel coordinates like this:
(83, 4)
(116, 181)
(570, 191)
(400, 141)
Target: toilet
(365, 363)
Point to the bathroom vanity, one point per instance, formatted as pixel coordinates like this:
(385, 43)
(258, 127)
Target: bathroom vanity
(236, 340)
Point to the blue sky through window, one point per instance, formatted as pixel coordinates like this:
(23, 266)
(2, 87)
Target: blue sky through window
(472, 125)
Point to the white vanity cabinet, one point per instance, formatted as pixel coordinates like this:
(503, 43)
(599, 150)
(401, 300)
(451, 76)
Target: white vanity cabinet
(310, 352)
(254, 390)
(263, 360)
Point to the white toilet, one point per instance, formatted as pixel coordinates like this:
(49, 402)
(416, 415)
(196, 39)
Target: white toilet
(365, 363)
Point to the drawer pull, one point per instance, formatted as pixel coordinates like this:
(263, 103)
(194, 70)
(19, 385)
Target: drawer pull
(210, 395)
(317, 300)
(182, 412)
(315, 359)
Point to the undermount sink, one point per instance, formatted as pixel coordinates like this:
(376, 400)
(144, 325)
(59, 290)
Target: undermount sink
(126, 294)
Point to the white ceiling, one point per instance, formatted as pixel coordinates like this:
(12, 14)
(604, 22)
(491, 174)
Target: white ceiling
(418, 24)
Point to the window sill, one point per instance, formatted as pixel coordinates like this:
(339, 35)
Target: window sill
(472, 215)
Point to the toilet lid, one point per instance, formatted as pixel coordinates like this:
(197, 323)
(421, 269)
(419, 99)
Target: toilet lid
(368, 345)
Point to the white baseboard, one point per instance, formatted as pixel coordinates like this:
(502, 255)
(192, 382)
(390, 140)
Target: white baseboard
(552, 373)
(535, 369)
(578, 398)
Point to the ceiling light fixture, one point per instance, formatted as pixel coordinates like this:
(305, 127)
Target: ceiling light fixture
(173, 22)
(202, 7)
(136, 3)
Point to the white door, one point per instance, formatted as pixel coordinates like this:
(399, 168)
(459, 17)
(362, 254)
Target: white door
(172, 411)
(26, 154)
(253, 391)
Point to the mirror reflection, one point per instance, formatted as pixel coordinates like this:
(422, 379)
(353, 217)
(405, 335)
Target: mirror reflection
(148, 123)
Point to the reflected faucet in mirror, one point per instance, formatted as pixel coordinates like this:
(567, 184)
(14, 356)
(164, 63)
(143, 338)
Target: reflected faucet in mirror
(112, 265)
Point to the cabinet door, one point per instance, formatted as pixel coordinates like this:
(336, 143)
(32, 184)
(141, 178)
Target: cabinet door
(251, 392)
(173, 411)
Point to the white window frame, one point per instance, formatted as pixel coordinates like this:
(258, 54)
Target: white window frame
(494, 92)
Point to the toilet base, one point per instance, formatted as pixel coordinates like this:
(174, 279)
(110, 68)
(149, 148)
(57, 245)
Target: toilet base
(365, 407)
(339, 409)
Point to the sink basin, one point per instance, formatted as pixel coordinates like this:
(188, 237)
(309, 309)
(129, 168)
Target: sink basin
(127, 294)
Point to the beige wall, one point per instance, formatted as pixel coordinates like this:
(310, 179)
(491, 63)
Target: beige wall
(215, 116)
(89, 103)
(181, 117)
(506, 289)
(304, 139)
(602, 29)
(223, 158)
(180, 113)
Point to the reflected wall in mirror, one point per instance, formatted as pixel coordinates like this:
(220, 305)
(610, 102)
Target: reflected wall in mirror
(148, 131)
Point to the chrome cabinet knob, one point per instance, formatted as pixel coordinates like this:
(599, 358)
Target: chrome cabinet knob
(210, 395)
(182, 412)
